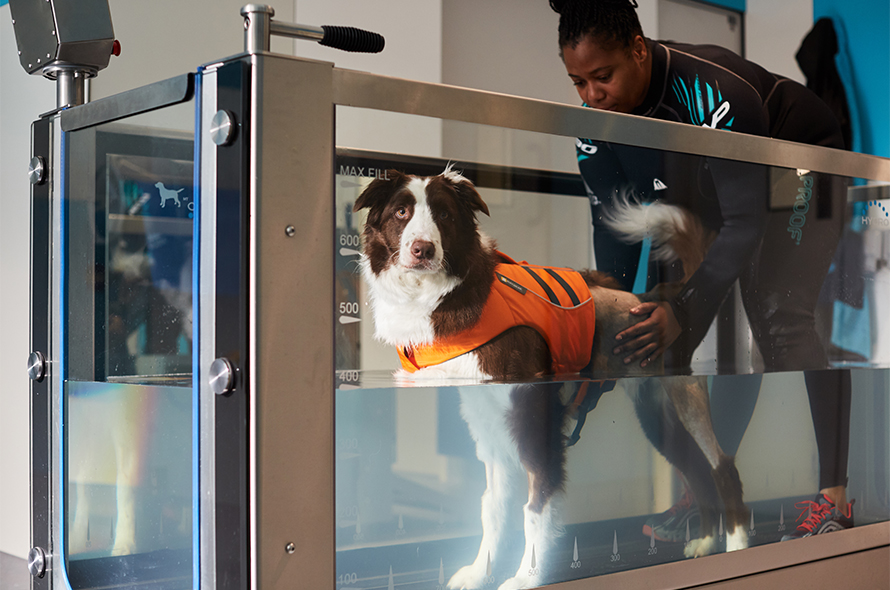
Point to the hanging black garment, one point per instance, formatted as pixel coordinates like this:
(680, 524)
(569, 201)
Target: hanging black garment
(816, 60)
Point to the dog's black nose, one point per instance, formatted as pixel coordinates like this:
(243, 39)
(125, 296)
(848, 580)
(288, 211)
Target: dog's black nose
(423, 250)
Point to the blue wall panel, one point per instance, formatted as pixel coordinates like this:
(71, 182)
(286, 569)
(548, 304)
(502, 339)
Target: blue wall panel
(737, 5)
(862, 28)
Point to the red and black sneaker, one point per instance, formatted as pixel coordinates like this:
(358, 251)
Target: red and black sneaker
(675, 523)
(821, 516)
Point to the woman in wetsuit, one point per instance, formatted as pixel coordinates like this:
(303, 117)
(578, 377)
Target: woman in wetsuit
(780, 260)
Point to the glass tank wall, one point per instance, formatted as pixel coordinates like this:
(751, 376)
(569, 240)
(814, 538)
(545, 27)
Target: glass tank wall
(410, 479)
(127, 431)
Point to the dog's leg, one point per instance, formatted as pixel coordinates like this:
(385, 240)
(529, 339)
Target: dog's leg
(689, 396)
(542, 528)
(495, 511)
(537, 420)
(128, 463)
(79, 533)
(486, 415)
(664, 429)
(729, 484)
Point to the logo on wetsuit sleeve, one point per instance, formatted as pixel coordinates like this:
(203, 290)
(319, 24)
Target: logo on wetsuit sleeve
(706, 106)
(585, 149)
(801, 206)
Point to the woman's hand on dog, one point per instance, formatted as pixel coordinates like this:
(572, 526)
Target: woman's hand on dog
(647, 340)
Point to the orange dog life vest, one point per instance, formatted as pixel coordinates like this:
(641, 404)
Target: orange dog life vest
(554, 301)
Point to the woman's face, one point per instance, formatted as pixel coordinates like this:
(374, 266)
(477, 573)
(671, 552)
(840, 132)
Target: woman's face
(612, 80)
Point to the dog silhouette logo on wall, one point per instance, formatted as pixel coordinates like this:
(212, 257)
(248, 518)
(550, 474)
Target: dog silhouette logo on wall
(168, 195)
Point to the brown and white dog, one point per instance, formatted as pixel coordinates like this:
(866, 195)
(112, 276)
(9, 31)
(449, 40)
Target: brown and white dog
(430, 273)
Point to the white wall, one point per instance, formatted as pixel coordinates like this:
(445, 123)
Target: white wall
(22, 98)
(773, 32)
(165, 38)
(413, 52)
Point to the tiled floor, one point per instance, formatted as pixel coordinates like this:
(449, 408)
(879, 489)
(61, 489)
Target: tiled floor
(13, 573)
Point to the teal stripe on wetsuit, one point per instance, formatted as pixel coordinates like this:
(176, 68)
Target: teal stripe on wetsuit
(643, 267)
(641, 279)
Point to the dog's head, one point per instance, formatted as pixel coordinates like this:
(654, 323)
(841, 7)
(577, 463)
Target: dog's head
(419, 224)
(159, 185)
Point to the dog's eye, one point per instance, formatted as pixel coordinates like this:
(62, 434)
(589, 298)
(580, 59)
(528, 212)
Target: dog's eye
(402, 213)
(443, 215)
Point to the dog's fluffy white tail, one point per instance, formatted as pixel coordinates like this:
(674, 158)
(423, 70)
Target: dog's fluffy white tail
(632, 221)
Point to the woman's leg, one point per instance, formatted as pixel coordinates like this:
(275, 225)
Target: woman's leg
(780, 295)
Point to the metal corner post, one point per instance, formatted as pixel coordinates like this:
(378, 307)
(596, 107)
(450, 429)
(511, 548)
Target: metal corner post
(40, 558)
(228, 199)
(257, 27)
(206, 328)
(291, 322)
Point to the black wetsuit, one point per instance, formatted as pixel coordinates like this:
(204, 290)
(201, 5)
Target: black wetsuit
(778, 248)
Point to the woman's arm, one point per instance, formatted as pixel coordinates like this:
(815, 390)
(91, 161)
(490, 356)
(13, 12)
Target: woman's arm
(742, 192)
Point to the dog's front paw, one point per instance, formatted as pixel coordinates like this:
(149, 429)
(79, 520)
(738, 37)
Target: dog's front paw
(426, 377)
(403, 378)
(434, 377)
(738, 539)
(700, 547)
(469, 577)
(123, 548)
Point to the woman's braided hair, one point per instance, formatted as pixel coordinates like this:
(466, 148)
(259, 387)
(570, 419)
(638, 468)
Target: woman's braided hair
(611, 23)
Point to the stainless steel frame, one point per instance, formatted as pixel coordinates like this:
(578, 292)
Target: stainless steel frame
(286, 376)
(360, 89)
(131, 102)
(55, 388)
(205, 327)
(41, 343)
(291, 319)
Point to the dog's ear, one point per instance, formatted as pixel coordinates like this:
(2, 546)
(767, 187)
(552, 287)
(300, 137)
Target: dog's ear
(469, 196)
(376, 194)
(465, 189)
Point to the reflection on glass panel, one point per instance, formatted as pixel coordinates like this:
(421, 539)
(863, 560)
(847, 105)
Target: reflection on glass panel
(860, 332)
(129, 480)
(439, 480)
(148, 265)
(127, 340)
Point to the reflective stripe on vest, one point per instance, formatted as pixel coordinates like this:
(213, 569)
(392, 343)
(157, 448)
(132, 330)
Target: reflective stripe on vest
(556, 302)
